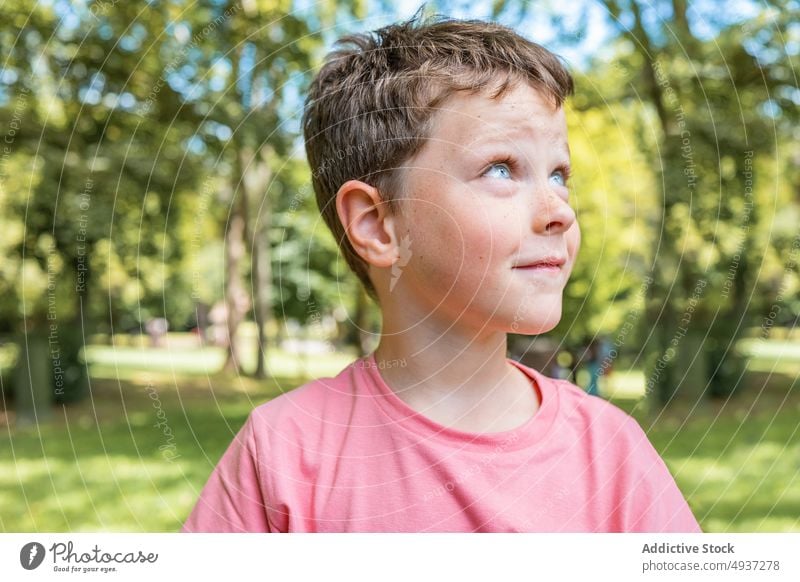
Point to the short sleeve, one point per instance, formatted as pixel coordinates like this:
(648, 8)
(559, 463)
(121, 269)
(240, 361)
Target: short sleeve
(232, 499)
(654, 503)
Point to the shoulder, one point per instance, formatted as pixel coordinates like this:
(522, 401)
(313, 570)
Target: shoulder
(606, 432)
(593, 415)
(621, 452)
(305, 410)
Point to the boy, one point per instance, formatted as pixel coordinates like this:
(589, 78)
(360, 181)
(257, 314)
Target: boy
(440, 162)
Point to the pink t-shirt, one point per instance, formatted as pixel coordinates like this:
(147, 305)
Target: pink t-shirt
(346, 454)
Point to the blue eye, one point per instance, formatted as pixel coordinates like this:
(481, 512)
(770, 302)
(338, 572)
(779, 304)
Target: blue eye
(503, 171)
(559, 178)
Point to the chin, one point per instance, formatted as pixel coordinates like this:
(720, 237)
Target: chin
(533, 314)
(525, 324)
(532, 328)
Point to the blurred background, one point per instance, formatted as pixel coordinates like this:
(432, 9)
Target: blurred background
(165, 268)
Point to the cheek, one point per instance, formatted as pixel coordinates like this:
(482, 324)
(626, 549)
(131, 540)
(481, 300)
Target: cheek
(573, 236)
(457, 243)
(480, 236)
(436, 242)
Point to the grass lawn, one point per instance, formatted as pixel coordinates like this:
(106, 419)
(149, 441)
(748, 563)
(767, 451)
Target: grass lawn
(737, 461)
(103, 464)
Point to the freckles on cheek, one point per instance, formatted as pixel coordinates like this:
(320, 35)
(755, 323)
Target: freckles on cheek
(493, 238)
(483, 227)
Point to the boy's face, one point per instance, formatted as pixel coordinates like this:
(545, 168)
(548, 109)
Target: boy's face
(485, 199)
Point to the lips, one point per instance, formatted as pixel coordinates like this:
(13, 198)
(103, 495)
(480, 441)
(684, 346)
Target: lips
(552, 262)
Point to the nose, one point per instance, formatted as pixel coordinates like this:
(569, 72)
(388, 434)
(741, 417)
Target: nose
(552, 214)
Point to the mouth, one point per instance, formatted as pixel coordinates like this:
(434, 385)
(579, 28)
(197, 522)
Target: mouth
(552, 264)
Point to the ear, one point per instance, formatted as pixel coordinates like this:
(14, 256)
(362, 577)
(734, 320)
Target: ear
(367, 223)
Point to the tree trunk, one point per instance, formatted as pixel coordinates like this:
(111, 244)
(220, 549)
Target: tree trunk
(34, 379)
(256, 176)
(262, 280)
(234, 288)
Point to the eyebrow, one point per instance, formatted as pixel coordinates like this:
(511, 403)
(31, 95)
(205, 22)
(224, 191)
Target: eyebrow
(521, 129)
(509, 136)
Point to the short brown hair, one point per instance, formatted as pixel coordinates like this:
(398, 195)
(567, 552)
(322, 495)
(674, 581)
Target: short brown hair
(370, 107)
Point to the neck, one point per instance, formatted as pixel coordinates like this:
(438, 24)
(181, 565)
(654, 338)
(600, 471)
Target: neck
(453, 372)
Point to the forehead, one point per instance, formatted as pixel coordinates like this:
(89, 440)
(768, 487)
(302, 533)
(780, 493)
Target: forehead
(522, 112)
